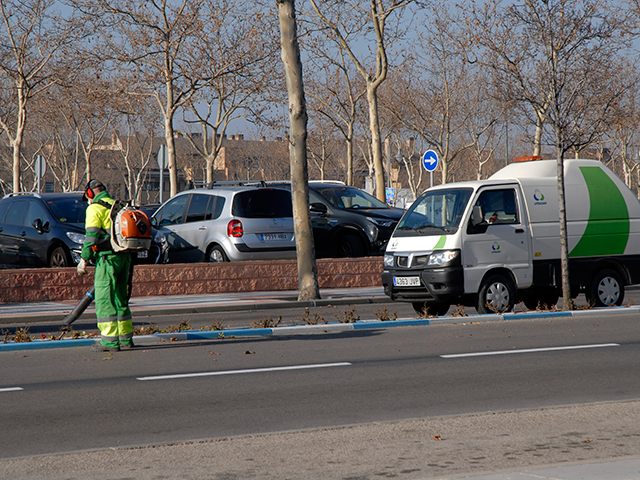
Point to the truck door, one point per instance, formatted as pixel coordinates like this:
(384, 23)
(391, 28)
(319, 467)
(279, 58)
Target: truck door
(501, 240)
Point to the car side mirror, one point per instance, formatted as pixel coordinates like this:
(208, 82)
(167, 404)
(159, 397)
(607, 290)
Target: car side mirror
(318, 207)
(40, 228)
(153, 221)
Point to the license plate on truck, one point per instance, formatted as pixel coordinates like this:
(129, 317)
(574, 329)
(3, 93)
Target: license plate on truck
(406, 281)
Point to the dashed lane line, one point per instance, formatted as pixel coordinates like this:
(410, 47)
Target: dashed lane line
(529, 350)
(249, 370)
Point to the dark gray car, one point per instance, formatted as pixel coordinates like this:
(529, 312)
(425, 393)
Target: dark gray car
(346, 221)
(47, 230)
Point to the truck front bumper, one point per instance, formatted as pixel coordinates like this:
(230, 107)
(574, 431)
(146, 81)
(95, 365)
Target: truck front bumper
(444, 284)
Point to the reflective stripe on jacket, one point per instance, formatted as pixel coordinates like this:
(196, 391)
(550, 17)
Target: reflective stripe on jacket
(97, 226)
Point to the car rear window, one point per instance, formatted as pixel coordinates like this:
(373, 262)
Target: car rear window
(262, 203)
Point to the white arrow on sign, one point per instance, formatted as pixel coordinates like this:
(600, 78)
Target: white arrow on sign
(430, 160)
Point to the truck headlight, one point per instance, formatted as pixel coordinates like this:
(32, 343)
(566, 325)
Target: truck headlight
(388, 261)
(440, 258)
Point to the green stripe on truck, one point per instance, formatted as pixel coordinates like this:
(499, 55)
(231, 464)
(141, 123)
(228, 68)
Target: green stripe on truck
(607, 231)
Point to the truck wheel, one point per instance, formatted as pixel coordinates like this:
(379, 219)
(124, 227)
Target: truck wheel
(59, 258)
(350, 245)
(216, 254)
(438, 309)
(496, 295)
(606, 290)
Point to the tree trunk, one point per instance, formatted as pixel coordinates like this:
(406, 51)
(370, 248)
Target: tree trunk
(307, 269)
(567, 301)
(376, 144)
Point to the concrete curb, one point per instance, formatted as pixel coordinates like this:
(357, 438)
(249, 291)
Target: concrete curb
(288, 330)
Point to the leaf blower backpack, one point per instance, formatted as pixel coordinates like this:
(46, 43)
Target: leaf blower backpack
(130, 227)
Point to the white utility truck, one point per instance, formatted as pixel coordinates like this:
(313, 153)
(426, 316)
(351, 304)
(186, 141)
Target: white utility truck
(493, 243)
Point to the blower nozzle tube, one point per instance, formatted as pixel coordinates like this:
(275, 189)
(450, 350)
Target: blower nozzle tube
(82, 305)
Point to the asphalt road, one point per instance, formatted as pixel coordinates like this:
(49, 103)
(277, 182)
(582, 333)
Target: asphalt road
(64, 400)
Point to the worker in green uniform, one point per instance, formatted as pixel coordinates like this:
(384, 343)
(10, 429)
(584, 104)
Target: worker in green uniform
(111, 275)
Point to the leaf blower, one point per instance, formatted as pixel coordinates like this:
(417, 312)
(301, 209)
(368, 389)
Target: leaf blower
(82, 305)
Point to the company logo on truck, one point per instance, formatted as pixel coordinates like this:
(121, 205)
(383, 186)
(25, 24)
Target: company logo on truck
(495, 247)
(538, 197)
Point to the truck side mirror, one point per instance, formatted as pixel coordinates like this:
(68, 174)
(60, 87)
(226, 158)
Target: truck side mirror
(477, 223)
(477, 216)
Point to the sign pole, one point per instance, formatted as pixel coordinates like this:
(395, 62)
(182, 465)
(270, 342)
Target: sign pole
(40, 166)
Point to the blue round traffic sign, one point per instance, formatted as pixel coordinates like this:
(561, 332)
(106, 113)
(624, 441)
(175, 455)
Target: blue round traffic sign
(430, 160)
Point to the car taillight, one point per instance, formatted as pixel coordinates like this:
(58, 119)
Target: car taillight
(234, 228)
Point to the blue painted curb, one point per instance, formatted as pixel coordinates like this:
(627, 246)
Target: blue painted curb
(40, 344)
(391, 323)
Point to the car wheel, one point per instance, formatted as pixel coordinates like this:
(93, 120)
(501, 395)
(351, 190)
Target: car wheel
(496, 295)
(350, 245)
(216, 255)
(606, 290)
(438, 309)
(59, 258)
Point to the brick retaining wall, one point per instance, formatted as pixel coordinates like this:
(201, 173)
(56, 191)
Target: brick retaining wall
(58, 284)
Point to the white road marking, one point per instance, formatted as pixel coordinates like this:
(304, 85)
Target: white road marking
(11, 389)
(530, 350)
(250, 370)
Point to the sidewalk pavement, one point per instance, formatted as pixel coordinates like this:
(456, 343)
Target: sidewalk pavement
(625, 469)
(614, 470)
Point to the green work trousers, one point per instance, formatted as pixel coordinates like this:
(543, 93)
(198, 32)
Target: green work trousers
(112, 302)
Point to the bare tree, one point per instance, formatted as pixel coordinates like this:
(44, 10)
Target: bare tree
(558, 56)
(134, 150)
(349, 22)
(30, 41)
(155, 43)
(307, 269)
(238, 57)
(432, 90)
(335, 95)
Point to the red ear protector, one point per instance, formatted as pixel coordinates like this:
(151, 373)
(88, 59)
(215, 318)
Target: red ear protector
(88, 190)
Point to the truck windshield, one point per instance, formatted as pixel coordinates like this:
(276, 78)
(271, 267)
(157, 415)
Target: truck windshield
(435, 212)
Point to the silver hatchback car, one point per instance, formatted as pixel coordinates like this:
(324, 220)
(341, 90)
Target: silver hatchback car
(228, 221)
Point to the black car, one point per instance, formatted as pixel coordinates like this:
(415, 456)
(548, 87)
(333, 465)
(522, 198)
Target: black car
(348, 222)
(47, 230)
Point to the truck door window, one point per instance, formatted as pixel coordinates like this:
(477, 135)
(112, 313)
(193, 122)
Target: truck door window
(499, 206)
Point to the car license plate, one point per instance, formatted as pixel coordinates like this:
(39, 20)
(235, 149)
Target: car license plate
(143, 253)
(270, 237)
(406, 281)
